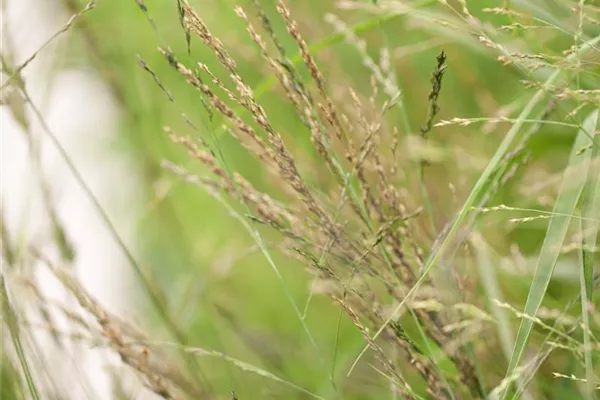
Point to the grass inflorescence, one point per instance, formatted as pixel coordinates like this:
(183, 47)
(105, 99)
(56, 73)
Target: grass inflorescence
(413, 220)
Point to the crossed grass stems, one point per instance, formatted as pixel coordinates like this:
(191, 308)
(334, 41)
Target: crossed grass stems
(370, 259)
(380, 255)
(373, 257)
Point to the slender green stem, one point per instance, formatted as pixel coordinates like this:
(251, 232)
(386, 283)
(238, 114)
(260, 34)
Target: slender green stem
(10, 317)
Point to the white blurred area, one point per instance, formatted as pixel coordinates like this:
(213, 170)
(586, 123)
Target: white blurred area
(79, 109)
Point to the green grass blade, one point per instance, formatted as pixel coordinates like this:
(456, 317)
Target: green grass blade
(589, 233)
(568, 197)
(486, 265)
(487, 272)
(586, 263)
(591, 216)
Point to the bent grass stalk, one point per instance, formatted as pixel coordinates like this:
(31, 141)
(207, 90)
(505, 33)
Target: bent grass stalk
(590, 227)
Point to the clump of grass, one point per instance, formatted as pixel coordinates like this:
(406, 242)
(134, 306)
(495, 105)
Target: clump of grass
(360, 235)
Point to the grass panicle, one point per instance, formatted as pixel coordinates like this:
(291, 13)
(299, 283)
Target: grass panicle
(402, 284)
